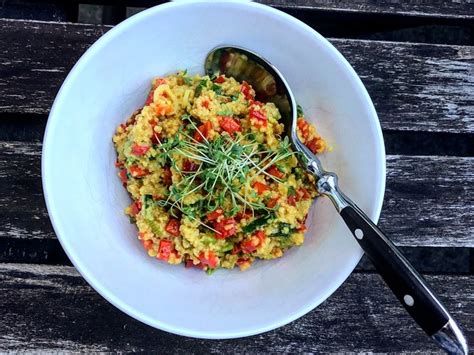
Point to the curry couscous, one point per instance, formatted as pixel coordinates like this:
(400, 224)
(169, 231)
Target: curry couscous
(213, 183)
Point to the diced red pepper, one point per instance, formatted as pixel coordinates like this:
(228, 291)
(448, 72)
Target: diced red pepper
(209, 258)
(159, 81)
(135, 208)
(230, 125)
(314, 145)
(167, 176)
(205, 104)
(260, 187)
(215, 214)
(188, 166)
(257, 118)
(249, 245)
(203, 131)
(137, 171)
(147, 244)
(220, 79)
(163, 109)
(302, 194)
(242, 261)
(261, 236)
(149, 98)
(255, 102)
(118, 164)
(123, 176)
(138, 149)
(225, 228)
(274, 171)
(245, 89)
(292, 200)
(272, 202)
(190, 263)
(301, 228)
(164, 250)
(303, 127)
(172, 227)
(253, 243)
(236, 249)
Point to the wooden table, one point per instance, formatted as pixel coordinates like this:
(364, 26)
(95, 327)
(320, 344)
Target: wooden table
(424, 96)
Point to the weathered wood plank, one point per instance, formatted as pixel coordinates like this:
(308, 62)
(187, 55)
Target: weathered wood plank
(47, 308)
(428, 202)
(455, 9)
(35, 58)
(414, 86)
(427, 198)
(463, 9)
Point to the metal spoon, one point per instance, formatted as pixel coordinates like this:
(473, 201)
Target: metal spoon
(410, 288)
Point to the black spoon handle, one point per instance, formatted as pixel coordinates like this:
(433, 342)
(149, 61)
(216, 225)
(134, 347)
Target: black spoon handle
(408, 286)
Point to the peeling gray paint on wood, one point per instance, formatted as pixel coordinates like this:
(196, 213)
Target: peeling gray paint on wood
(51, 308)
(429, 200)
(456, 9)
(414, 86)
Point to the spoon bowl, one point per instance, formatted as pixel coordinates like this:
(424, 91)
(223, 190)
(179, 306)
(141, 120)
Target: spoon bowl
(268, 83)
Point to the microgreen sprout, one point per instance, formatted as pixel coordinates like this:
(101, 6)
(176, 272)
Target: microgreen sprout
(226, 169)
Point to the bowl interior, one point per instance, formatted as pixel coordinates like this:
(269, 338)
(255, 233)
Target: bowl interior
(85, 198)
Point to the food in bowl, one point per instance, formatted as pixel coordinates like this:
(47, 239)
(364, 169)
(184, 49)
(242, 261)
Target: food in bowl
(213, 182)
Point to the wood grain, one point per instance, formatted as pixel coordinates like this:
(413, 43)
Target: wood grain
(463, 9)
(428, 202)
(455, 9)
(46, 308)
(416, 87)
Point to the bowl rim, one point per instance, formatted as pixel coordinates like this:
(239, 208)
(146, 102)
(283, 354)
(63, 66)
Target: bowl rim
(46, 164)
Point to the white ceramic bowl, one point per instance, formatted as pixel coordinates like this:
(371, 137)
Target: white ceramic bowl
(85, 199)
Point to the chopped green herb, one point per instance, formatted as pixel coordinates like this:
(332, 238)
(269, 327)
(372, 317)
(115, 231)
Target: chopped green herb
(210, 271)
(155, 228)
(257, 223)
(284, 230)
(217, 89)
(225, 112)
(208, 240)
(299, 111)
(291, 191)
(202, 85)
(227, 247)
(298, 172)
(147, 201)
